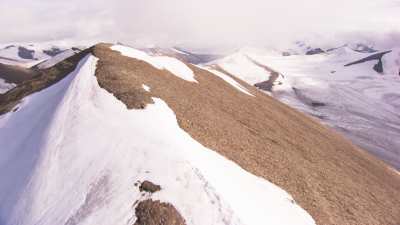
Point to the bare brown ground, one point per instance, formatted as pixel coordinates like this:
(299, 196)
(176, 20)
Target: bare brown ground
(336, 182)
(15, 74)
(151, 212)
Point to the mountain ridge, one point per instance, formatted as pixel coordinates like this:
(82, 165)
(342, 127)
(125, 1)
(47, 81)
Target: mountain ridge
(325, 173)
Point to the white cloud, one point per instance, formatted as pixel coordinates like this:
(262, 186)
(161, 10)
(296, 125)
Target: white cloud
(201, 23)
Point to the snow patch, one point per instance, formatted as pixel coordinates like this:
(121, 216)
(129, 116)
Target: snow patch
(239, 65)
(179, 51)
(4, 86)
(146, 88)
(229, 80)
(173, 65)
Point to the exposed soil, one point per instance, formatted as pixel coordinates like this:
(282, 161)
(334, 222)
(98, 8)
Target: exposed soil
(336, 182)
(151, 212)
(133, 95)
(150, 187)
(268, 84)
(16, 74)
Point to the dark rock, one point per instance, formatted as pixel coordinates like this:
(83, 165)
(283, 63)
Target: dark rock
(76, 49)
(148, 186)
(151, 212)
(315, 51)
(9, 46)
(377, 56)
(379, 66)
(53, 51)
(318, 104)
(25, 53)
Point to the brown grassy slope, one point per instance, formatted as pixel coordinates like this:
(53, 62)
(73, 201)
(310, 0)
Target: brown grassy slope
(15, 74)
(333, 180)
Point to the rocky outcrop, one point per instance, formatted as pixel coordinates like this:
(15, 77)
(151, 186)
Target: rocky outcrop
(53, 51)
(378, 67)
(149, 187)
(151, 212)
(25, 53)
(315, 51)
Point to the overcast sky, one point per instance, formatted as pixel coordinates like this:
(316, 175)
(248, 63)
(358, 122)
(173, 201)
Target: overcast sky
(205, 23)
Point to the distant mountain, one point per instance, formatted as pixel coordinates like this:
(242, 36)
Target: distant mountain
(354, 91)
(115, 135)
(19, 63)
(28, 55)
(184, 55)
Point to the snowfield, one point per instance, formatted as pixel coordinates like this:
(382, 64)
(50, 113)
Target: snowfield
(4, 86)
(81, 150)
(27, 55)
(173, 65)
(355, 100)
(56, 59)
(227, 79)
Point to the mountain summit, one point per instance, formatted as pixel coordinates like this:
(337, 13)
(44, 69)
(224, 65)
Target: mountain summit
(114, 135)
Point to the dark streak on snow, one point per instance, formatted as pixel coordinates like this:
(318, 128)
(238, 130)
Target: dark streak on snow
(95, 198)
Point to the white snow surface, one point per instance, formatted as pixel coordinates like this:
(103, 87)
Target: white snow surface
(4, 86)
(71, 153)
(179, 51)
(171, 64)
(9, 55)
(146, 88)
(56, 59)
(359, 102)
(228, 79)
(241, 66)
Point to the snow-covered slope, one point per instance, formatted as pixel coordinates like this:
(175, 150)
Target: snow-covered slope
(57, 58)
(160, 62)
(19, 55)
(28, 55)
(356, 100)
(65, 167)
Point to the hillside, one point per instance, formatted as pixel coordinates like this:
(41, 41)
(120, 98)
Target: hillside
(103, 128)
